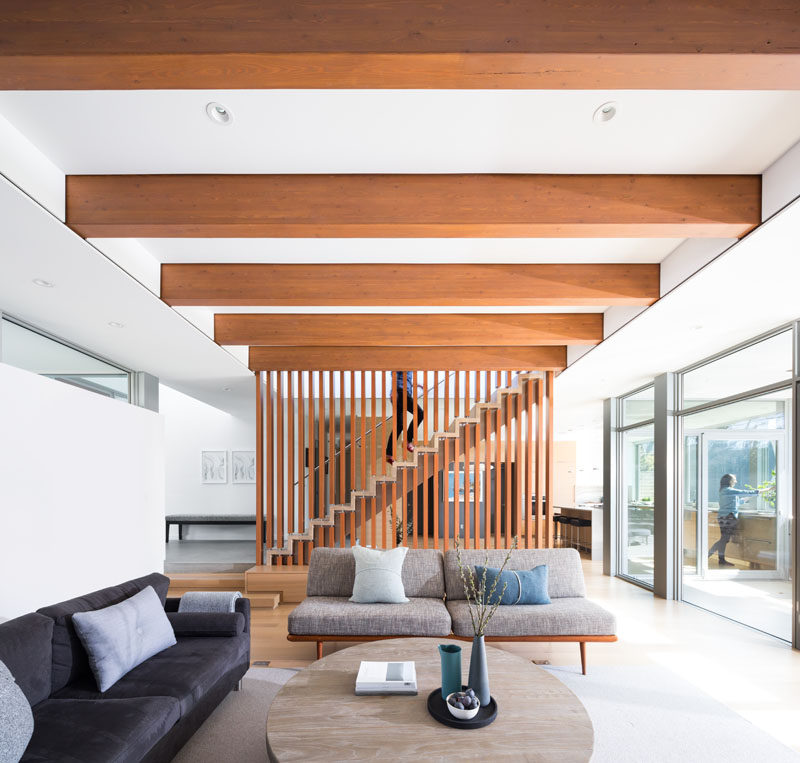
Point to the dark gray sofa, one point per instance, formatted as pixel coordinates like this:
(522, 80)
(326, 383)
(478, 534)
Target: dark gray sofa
(151, 712)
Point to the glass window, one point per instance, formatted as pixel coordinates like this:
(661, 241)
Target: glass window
(758, 365)
(638, 407)
(24, 348)
(737, 512)
(638, 475)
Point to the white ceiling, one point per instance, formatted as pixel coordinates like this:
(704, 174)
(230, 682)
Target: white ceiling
(748, 290)
(408, 131)
(418, 250)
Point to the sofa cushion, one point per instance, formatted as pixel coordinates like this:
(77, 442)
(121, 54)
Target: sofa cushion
(69, 657)
(337, 616)
(124, 635)
(563, 617)
(331, 572)
(26, 647)
(565, 578)
(87, 731)
(16, 718)
(186, 671)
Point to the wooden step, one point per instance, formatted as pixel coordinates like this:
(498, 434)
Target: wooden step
(207, 581)
(290, 581)
(265, 600)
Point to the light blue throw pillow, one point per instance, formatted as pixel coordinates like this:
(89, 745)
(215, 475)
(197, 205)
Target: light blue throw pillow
(119, 638)
(521, 586)
(379, 576)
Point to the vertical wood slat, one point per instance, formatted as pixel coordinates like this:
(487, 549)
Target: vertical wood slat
(425, 407)
(403, 392)
(259, 470)
(289, 456)
(446, 422)
(508, 472)
(528, 460)
(321, 456)
(457, 393)
(403, 507)
(372, 419)
(467, 447)
(331, 458)
(312, 503)
(414, 497)
(383, 425)
(519, 462)
(393, 533)
(373, 521)
(539, 504)
(301, 468)
(425, 500)
(456, 486)
(270, 439)
(384, 512)
(363, 486)
(467, 375)
(550, 458)
(476, 480)
(497, 477)
(352, 446)
(436, 499)
(395, 417)
(487, 478)
(436, 401)
(279, 474)
(342, 460)
(446, 489)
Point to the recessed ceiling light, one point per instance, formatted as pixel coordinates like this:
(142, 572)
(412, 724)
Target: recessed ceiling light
(226, 389)
(115, 325)
(606, 112)
(218, 113)
(42, 282)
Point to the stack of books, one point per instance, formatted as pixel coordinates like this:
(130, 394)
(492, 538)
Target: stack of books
(386, 678)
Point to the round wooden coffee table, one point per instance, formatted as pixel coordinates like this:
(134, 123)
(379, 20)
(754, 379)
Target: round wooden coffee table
(317, 716)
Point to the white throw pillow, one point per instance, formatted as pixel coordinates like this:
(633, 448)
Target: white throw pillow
(119, 638)
(379, 576)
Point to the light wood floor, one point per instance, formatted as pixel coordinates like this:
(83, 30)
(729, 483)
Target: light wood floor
(755, 675)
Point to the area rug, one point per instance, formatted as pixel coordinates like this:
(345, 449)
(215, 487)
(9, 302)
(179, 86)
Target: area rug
(641, 714)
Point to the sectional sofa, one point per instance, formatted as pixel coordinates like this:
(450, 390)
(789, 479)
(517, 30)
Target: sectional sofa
(437, 605)
(151, 711)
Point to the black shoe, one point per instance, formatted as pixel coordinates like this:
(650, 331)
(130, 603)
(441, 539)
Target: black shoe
(724, 563)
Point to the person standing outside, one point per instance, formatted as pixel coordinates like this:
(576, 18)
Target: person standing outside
(728, 515)
(404, 384)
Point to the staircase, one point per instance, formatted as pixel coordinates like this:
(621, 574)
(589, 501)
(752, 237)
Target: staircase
(428, 460)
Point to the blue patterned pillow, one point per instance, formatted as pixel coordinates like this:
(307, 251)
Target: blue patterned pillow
(521, 586)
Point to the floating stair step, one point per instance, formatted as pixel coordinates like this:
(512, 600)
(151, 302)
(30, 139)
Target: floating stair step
(214, 581)
(289, 581)
(265, 600)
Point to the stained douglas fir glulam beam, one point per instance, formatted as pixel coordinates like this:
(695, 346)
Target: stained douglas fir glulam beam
(420, 358)
(381, 329)
(239, 285)
(357, 206)
(530, 44)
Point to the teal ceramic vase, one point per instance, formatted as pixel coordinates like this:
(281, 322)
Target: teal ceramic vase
(451, 668)
(478, 671)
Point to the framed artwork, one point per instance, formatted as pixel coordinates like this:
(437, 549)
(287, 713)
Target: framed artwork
(214, 467)
(243, 467)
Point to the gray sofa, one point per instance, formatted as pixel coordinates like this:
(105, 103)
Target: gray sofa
(438, 607)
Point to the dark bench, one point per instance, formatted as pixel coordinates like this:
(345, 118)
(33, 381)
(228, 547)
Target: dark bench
(207, 519)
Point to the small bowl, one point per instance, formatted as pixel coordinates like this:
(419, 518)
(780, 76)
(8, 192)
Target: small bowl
(463, 715)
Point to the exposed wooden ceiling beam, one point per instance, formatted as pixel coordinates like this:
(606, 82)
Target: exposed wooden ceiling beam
(419, 358)
(530, 44)
(379, 330)
(357, 206)
(218, 285)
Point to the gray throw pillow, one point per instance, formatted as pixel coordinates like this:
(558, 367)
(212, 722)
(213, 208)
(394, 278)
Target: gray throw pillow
(379, 576)
(119, 638)
(16, 718)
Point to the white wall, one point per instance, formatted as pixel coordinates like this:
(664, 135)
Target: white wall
(191, 427)
(81, 491)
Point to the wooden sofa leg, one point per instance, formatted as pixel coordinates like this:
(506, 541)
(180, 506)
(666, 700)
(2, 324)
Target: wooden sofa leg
(319, 650)
(583, 657)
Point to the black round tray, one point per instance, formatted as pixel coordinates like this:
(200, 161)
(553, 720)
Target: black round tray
(437, 707)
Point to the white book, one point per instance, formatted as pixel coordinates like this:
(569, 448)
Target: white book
(386, 678)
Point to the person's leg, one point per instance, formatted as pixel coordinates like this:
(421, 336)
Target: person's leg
(727, 528)
(411, 434)
(399, 424)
